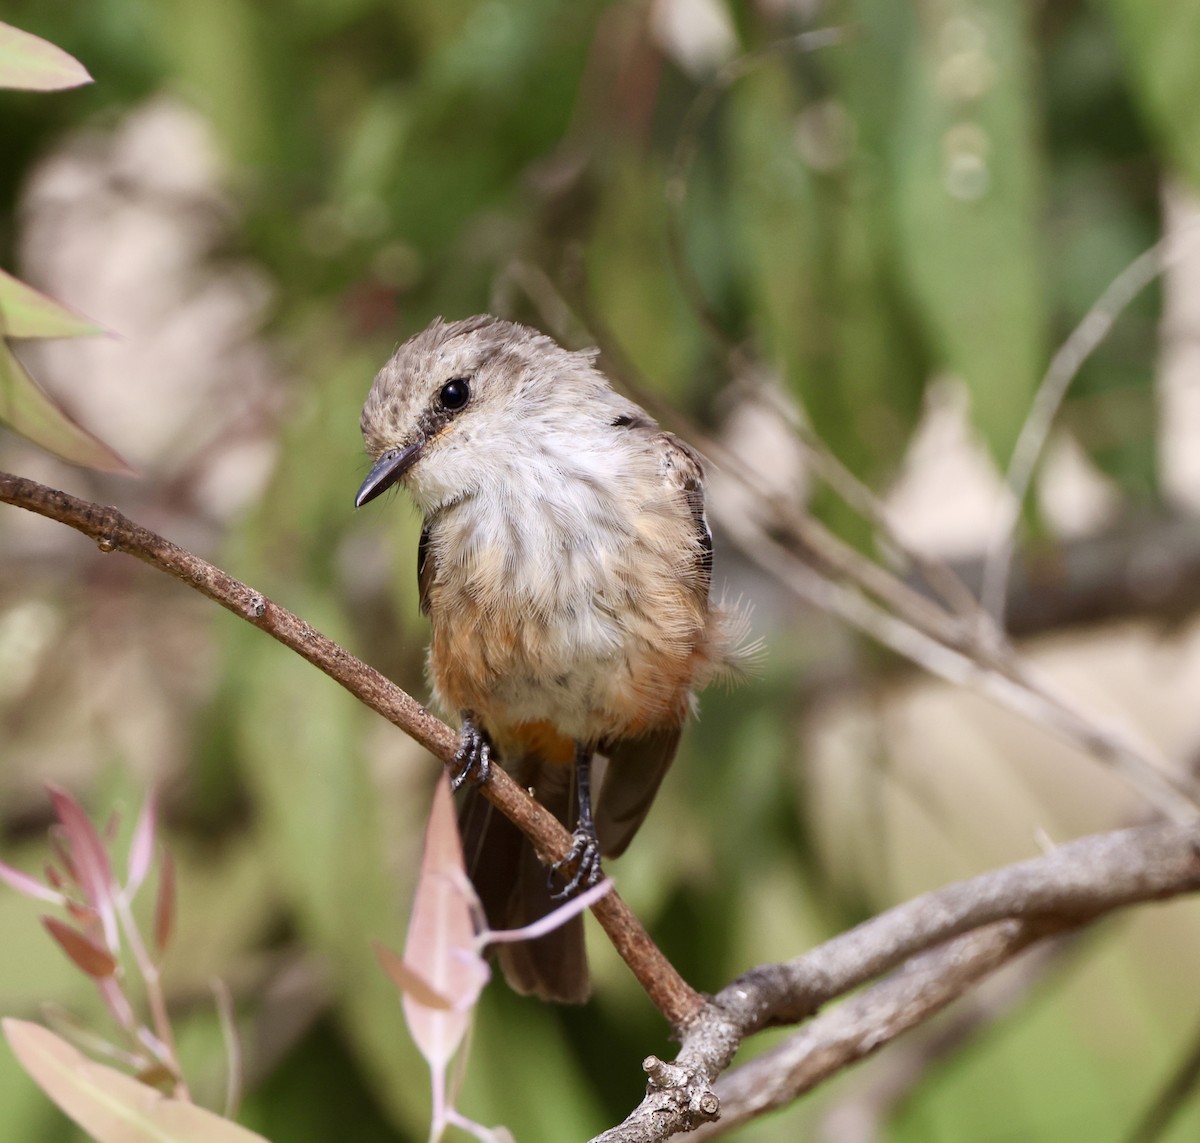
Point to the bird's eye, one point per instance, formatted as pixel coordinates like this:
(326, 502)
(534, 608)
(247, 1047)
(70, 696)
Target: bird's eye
(455, 394)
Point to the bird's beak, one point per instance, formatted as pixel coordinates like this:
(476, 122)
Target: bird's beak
(389, 468)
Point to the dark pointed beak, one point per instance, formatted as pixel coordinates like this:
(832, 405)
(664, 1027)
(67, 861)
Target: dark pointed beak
(389, 468)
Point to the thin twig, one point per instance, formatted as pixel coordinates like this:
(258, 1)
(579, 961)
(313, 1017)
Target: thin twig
(936, 572)
(155, 997)
(1096, 325)
(667, 990)
(232, 1043)
(1022, 690)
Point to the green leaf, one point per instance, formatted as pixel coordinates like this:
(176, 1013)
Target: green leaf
(1159, 41)
(966, 168)
(109, 1105)
(28, 410)
(31, 63)
(26, 312)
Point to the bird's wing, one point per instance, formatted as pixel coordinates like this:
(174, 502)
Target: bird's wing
(637, 766)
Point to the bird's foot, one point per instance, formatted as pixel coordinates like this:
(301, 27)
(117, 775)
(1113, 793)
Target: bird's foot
(473, 762)
(585, 857)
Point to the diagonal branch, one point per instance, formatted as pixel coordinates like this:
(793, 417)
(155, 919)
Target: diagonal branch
(112, 531)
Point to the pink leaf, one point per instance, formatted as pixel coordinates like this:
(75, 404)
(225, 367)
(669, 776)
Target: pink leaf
(141, 849)
(90, 860)
(110, 1106)
(441, 946)
(30, 886)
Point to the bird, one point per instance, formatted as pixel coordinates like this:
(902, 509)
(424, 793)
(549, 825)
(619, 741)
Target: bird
(565, 566)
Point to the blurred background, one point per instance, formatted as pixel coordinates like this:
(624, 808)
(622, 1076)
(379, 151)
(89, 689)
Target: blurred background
(889, 227)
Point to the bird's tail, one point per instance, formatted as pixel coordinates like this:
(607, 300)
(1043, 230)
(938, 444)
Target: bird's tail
(516, 890)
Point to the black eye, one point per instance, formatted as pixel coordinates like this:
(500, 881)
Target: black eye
(455, 394)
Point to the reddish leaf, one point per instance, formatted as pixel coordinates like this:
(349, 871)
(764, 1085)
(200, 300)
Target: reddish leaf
(88, 918)
(95, 960)
(90, 859)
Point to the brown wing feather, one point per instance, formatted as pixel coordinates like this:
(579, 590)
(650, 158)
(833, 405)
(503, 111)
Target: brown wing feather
(637, 766)
(515, 890)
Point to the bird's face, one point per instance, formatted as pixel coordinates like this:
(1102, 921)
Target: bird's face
(459, 404)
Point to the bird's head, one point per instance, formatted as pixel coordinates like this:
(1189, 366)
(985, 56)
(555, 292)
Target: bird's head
(463, 401)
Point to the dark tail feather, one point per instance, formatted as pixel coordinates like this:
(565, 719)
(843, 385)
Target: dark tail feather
(514, 889)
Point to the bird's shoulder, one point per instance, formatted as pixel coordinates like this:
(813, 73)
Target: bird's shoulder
(681, 469)
(680, 464)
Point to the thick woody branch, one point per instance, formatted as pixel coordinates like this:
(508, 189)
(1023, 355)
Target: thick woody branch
(114, 532)
(950, 939)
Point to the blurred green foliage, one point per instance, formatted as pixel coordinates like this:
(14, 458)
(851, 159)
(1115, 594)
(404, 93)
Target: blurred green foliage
(947, 189)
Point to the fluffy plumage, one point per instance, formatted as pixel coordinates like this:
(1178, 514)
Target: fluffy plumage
(565, 567)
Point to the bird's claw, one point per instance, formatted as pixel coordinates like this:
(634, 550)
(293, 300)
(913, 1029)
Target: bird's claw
(473, 761)
(585, 856)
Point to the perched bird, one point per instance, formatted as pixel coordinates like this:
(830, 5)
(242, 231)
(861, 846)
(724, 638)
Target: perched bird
(564, 565)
